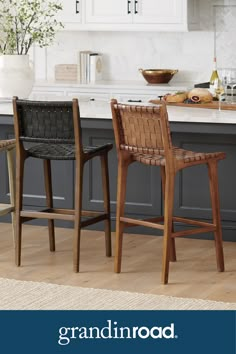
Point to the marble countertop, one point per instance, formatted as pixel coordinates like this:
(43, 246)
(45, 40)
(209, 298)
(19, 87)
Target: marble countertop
(100, 109)
(137, 85)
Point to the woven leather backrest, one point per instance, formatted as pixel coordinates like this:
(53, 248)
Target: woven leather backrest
(49, 122)
(142, 128)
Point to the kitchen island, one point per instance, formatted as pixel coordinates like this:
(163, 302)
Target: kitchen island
(192, 128)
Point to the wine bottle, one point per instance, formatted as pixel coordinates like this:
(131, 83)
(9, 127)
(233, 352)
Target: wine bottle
(214, 80)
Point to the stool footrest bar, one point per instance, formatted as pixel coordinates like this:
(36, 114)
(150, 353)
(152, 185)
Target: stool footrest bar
(94, 220)
(63, 214)
(6, 208)
(191, 221)
(193, 231)
(146, 222)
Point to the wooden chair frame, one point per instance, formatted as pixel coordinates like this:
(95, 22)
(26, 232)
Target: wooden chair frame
(8, 146)
(155, 148)
(52, 213)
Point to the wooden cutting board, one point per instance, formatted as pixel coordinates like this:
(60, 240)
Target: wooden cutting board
(211, 105)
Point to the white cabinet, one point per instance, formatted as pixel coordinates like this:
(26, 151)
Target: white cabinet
(45, 95)
(135, 11)
(71, 13)
(105, 91)
(88, 95)
(108, 11)
(159, 11)
(158, 15)
(129, 15)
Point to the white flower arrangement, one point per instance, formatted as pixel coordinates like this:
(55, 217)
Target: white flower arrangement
(27, 22)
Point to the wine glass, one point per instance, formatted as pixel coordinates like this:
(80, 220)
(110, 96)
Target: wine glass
(221, 87)
(220, 90)
(230, 80)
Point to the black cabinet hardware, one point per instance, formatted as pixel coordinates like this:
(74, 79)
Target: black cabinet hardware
(135, 7)
(128, 7)
(77, 7)
(134, 101)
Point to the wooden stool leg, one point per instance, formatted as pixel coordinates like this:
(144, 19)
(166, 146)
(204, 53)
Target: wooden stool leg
(215, 201)
(78, 211)
(168, 215)
(19, 198)
(106, 194)
(11, 176)
(120, 207)
(172, 242)
(49, 200)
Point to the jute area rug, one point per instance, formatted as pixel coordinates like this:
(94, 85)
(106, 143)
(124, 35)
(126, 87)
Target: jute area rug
(28, 295)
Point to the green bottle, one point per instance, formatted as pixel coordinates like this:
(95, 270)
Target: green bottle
(214, 80)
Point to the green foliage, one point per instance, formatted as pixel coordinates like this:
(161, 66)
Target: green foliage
(24, 22)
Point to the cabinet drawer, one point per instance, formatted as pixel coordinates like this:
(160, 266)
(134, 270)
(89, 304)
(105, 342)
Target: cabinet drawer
(88, 95)
(45, 95)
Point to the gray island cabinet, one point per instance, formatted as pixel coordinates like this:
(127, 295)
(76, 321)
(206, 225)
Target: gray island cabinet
(192, 129)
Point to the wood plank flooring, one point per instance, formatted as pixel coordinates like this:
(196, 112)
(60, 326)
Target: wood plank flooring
(194, 275)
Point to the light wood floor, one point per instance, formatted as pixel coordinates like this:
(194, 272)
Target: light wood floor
(193, 275)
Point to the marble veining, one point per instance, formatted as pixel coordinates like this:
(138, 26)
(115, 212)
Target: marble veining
(101, 110)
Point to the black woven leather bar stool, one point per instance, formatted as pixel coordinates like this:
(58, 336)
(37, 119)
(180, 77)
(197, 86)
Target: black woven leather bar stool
(54, 130)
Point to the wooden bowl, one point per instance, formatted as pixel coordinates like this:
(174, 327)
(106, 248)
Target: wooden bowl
(158, 76)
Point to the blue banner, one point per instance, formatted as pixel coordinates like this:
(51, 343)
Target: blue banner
(85, 332)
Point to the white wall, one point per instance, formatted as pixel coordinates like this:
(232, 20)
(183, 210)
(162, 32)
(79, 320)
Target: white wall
(124, 52)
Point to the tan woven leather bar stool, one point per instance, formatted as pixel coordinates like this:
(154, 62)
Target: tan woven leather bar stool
(8, 146)
(54, 131)
(142, 135)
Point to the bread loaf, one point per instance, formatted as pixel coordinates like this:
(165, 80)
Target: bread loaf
(178, 97)
(200, 95)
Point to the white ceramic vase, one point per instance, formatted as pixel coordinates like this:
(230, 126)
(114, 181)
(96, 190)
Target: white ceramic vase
(16, 76)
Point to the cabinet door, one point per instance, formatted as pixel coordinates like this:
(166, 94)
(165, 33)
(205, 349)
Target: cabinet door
(147, 202)
(108, 11)
(71, 12)
(159, 11)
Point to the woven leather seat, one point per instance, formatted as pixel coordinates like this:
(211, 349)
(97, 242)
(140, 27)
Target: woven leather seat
(52, 131)
(63, 151)
(142, 134)
(8, 146)
(157, 158)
